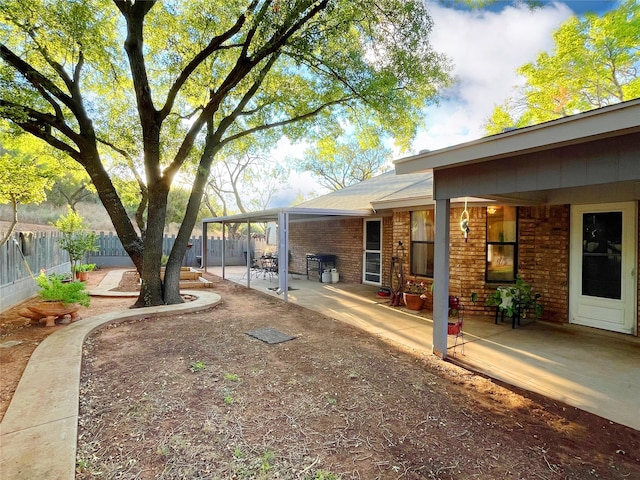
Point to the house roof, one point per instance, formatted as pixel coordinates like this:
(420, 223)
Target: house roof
(366, 194)
(611, 121)
(387, 189)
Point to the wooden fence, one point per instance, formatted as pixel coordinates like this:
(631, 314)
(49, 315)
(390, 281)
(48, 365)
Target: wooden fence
(111, 252)
(23, 256)
(27, 253)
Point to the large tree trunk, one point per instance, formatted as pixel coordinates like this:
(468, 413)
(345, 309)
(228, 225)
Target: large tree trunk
(152, 289)
(131, 241)
(172, 275)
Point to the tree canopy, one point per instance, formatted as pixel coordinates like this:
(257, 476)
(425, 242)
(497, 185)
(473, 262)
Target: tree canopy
(339, 162)
(167, 84)
(595, 62)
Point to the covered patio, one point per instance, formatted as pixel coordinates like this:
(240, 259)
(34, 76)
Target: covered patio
(546, 358)
(587, 164)
(282, 217)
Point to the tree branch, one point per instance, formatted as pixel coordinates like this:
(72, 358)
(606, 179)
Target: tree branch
(37, 79)
(213, 45)
(282, 123)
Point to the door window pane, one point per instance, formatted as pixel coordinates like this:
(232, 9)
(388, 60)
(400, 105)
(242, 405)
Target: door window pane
(373, 235)
(372, 267)
(602, 254)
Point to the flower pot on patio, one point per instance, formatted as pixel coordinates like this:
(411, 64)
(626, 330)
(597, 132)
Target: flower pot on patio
(413, 301)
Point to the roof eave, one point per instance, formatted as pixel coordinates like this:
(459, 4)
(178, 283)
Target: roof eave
(615, 120)
(273, 214)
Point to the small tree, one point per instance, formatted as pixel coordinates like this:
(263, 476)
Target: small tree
(76, 240)
(25, 176)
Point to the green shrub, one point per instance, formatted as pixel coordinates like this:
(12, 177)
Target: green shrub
(53, 288)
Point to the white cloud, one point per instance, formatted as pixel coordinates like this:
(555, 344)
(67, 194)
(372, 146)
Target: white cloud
(300, 184)
(486, 48)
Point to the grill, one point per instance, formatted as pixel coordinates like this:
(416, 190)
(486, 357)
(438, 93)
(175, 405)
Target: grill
(320, 261)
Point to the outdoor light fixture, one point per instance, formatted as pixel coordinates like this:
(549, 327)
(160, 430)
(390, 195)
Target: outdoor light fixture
(464, 222)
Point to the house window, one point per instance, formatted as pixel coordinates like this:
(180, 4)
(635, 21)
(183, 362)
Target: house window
(502, 243)
(422, 243)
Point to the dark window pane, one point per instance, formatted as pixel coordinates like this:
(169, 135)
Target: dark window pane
(602, 255)
(373, 235)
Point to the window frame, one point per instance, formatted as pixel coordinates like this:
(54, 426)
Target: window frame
(513, 244)
(413, 243)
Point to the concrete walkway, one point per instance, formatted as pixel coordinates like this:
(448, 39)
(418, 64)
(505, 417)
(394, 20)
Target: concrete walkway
(591, 369)
(39, 431)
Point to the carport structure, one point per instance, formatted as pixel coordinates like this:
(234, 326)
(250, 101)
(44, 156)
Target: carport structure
(282, 217)
(589, 162)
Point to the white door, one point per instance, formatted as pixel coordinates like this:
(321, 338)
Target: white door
(603, 266)
(372, 261)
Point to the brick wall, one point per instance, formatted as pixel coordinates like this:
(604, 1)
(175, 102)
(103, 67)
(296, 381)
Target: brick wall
(467, 259)
(543, 257)
(338, 237)
(401, 233)
(388, 248)
(543, 253)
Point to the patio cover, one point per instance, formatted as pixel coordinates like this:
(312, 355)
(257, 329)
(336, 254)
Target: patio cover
(282, 216)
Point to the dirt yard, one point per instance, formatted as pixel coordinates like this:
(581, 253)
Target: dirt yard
(194, 396)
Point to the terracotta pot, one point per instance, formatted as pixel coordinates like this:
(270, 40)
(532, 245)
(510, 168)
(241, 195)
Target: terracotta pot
(50, 311)
(413, 301)
(82, 276)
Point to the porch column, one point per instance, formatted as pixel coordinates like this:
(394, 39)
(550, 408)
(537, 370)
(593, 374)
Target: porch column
(203, 253)
(441, 278)
(223, 255)
(283, 254)
(248, 253)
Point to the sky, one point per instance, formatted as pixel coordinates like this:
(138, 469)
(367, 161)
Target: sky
(486, 48)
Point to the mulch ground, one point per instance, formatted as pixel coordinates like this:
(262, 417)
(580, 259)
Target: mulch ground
(195, 396)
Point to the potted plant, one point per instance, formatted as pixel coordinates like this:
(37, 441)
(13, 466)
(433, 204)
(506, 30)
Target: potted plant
(83, 269)
(59, 298)
(516, 300)
(414, 294)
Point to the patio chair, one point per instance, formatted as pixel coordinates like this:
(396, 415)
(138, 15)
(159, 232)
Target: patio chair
(269, 264)
(256, 266)
(456, 311)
